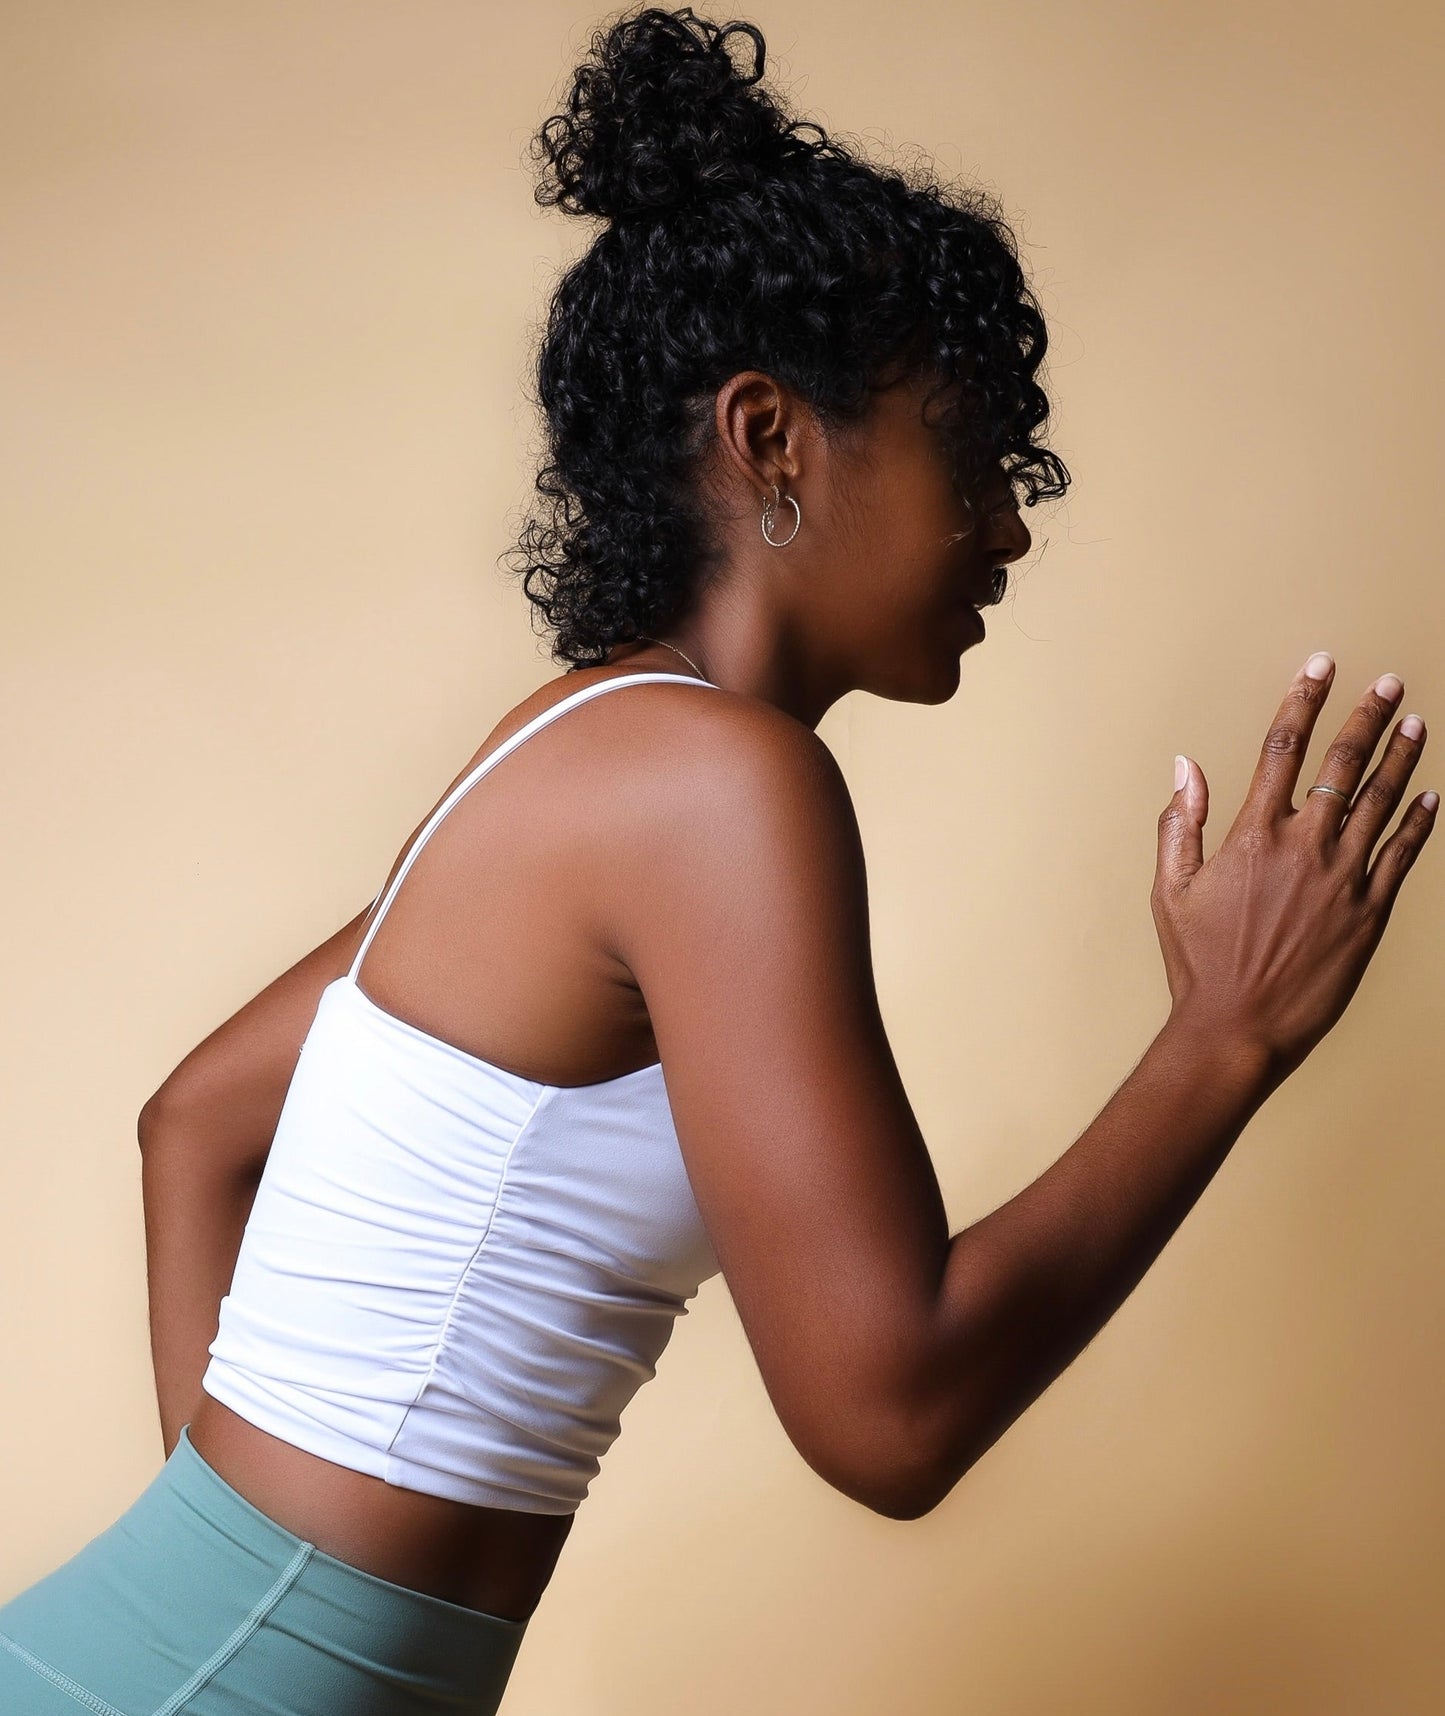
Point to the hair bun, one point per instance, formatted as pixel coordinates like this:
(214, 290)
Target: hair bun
(659, 116)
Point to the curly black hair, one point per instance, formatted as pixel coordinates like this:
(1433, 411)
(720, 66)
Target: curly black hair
(737, 238)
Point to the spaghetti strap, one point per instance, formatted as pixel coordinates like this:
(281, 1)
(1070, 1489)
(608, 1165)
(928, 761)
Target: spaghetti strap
(473, 776)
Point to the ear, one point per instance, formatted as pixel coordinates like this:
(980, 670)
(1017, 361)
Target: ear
(764, 431)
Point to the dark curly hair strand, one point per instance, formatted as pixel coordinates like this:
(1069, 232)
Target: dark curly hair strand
(739, 238)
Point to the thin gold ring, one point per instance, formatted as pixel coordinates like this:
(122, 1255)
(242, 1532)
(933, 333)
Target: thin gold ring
(1335, 790)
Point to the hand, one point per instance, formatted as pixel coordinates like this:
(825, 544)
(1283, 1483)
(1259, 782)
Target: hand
(1268, 941)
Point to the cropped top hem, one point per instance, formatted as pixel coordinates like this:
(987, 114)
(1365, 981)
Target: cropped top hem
(228, 1386)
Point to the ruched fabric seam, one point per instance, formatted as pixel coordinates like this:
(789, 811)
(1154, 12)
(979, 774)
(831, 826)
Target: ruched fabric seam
(218, 1660)
(444, 1327)
(62, 1682)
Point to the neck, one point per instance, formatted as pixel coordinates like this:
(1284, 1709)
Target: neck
(751, 659)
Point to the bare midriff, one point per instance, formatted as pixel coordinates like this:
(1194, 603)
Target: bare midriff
(496, 1560)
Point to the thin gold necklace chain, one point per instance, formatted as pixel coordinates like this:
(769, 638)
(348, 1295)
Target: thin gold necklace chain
(683, 653)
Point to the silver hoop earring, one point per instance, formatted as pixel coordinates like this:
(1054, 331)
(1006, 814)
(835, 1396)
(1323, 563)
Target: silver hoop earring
(770, 509)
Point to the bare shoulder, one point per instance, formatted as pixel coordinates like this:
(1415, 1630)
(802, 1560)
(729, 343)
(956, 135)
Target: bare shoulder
(704, 761)
(728, 816)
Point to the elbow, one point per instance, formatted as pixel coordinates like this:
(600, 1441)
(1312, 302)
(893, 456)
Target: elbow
(148, 1122)
(901, 1494)
(914, 1488)
(910, 1492)
(156, 1118)
(918, 1449)
(901, 1504)
(899, 1474)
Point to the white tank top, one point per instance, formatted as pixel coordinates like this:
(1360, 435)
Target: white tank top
(455, 1278)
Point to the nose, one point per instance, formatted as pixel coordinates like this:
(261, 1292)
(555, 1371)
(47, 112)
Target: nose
(1008, 536)
(1016, 539)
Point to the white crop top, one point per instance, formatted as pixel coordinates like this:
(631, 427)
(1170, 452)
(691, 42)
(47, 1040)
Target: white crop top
(453, 1277)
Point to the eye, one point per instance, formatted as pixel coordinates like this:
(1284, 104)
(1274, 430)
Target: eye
(1002, 496)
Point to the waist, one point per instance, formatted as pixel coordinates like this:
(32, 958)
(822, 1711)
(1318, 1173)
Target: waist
(496, 1560)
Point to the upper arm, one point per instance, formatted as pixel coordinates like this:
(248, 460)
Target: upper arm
(225, 1097)
(747, 932)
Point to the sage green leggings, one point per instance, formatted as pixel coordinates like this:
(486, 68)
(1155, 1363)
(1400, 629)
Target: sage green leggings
(194, 1601)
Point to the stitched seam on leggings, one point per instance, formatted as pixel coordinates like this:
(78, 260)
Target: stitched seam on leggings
(223, 1655)
(63, 1681)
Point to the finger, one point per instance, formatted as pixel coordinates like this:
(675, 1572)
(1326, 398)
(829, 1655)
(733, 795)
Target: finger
(1374, 804)
(1393, 860)
(1181, 827)
(1349, 756)
(1271, 790)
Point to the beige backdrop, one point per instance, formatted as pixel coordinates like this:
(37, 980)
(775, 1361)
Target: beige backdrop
(270, 275)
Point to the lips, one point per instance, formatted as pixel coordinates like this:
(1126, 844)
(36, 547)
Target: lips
(988, 589)
(985, 587)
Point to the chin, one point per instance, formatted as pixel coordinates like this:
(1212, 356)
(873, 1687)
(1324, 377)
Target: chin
(927, 668)
(952, 641)
(949, 676)
(930, 679)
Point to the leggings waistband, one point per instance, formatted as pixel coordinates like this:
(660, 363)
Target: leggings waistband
(195, 1600)
(351, 1597)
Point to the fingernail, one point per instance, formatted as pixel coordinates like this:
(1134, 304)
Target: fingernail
(1430, 800)
(1389, 686)
(1411, 727)
(1319, 664)
(1181, 772)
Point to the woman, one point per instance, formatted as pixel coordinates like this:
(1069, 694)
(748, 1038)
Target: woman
(792, 406)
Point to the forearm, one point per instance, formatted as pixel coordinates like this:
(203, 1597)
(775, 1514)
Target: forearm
(1026, 1288)
(195, 1213)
